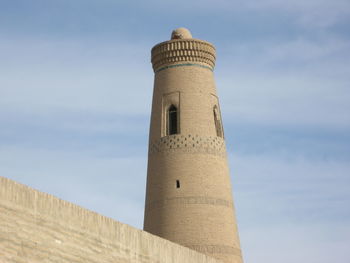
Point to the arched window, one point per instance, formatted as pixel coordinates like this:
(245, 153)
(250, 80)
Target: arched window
(217, 122)
(172, 125)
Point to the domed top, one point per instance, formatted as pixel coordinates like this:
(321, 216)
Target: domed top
(181, 33)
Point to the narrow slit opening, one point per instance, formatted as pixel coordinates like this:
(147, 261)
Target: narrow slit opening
(177, 183)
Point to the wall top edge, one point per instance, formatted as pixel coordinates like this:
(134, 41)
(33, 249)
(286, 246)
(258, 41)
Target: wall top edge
(20, 197)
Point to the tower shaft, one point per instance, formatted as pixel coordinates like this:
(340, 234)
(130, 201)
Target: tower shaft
(189, 196)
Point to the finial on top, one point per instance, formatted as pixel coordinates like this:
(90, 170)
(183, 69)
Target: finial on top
(181, 33)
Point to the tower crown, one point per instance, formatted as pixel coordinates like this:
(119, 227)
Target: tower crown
(182, 48)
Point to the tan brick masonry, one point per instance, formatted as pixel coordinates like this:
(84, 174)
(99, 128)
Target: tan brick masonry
(39, 228)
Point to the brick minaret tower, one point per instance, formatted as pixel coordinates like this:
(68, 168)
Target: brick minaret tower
(189, 196)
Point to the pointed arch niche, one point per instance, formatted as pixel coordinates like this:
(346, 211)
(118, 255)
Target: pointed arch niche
(217, 122)
(170, 114)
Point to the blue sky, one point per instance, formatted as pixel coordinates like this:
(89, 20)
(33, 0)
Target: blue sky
(75, 98)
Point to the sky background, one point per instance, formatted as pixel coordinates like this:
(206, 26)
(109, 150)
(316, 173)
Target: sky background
(75, 98)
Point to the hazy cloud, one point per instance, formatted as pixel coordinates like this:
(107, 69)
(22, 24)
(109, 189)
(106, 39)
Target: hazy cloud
(75, 95)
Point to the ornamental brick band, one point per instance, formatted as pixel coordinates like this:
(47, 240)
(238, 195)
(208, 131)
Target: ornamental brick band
(189, 200)
(183, 65)
(192, 144)
(180, 50)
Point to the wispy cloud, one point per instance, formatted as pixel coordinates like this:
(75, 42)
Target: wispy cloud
(75, 96)
(291, 243)
(111, 185)
(46, 76)
(300, 82)
(294, 201)
(311, 14)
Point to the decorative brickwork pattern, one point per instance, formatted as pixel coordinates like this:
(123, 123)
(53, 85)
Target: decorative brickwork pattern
(192, 144)
(184, 65)
(190, 200)
(177, 51)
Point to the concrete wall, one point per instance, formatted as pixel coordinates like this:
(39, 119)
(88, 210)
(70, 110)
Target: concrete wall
(38, 227)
